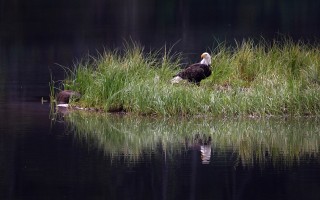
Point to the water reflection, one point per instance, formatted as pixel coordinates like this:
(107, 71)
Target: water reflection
(202, 143)
(242, 142)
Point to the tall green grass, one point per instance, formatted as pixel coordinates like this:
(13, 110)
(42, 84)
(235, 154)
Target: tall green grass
(257, 79)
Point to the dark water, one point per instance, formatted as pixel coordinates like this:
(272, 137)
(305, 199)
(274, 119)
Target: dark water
(111, 157)
(45, 159)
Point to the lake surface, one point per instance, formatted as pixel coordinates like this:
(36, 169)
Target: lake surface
(44, 155)
(103, 156)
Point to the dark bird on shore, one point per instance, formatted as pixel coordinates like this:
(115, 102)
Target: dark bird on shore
(196, 72)
(65, 96)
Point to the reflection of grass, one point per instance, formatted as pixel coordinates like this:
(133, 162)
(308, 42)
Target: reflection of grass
(250, 79)
(250, 140)
(261, 141)
(131, 137)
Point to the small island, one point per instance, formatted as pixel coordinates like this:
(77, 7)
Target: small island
(248, 79)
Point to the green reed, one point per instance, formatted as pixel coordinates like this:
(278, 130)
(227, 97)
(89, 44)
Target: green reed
(281, 78)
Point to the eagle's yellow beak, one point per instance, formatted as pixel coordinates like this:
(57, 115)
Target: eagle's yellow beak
(203, 55)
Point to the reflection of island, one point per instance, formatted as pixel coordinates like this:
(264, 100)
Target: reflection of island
(133, 138)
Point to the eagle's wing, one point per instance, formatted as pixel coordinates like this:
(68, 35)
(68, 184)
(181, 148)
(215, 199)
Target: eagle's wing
(193, 73)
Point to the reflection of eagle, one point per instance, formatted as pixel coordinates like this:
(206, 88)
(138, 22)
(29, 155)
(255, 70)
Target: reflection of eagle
(195, 72)
(202, 143)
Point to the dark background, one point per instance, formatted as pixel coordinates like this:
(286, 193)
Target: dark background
(37, 35)
(154, 22)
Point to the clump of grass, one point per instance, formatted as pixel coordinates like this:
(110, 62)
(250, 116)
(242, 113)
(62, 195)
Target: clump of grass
(281, 78)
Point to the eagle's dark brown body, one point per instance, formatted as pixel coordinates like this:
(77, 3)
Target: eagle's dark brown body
(195, 73)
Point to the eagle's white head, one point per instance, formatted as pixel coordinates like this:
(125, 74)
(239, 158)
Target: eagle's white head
(206, 59)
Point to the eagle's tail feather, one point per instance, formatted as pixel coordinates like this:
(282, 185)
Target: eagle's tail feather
(176, 79)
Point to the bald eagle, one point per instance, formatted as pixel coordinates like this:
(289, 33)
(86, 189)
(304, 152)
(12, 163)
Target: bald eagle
(196, 72)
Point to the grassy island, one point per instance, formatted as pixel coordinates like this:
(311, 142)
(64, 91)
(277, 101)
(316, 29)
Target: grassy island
(257, 79)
